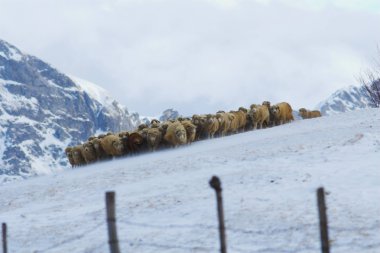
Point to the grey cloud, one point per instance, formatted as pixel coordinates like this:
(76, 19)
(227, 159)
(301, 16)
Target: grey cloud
(195, 56)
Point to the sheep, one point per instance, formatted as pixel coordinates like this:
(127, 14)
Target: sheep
(123, 134)
(77, 156)
(89, 152)
(180, 119)
(175, 134)
(241, 116)
(271, 115)
(234, 123)
(282, 112)
(135, 142)
(141, 127)
(112, 145)
(100, 152)
(211, 125)
(199, 121)
(153, 137)
(155, 123)
(306, 114)
(191, 130)
(69, 154)
(100, 136)
(224, 123)
(260, 116)
(91, 138)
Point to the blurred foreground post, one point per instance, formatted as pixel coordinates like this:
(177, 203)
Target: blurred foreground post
(4, 236)
(216, 185)
(111, 222)
(323, 221)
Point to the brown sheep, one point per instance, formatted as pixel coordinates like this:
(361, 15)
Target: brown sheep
(175, 134)
(271, 115)
(100, 153)
(69, 154)
(153, 137)
(243, 109)
(155, 123)
(224, 123)
(234, 123)
(141, 127)
(260, 116)
(211, 125)
(306, 114)
(191, 130)
(241, 116)
(135, 142)
(199, 121)
(77, 156)
(282, 113)
(180, 119)
(123, 134)
(89, 152)
(112, 145)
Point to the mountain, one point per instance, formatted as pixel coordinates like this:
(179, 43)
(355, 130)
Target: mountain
(347, 99)
(165, 204)
(169, 114)
(43, 110)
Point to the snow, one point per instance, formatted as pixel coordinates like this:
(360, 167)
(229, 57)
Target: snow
(12, 52)
(95, 91)
(164, 204)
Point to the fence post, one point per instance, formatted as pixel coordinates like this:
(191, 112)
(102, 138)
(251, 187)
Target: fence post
(4, 236)
(216, 185)
(323, 221)
(111, 222)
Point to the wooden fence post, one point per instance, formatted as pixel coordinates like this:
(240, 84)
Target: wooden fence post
(111, 222)
(323, 221)
(216, 185)
(4, 236)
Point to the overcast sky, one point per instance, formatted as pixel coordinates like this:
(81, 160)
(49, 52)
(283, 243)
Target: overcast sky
(200, 56)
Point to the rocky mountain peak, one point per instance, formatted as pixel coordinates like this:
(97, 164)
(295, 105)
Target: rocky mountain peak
(42, 111)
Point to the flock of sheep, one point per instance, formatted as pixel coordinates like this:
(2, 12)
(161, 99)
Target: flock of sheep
(173, 133)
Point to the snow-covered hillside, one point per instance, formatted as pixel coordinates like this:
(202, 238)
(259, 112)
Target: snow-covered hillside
(164, 203)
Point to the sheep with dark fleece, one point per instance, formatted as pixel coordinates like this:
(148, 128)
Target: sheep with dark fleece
(199, 121)
(153, 137)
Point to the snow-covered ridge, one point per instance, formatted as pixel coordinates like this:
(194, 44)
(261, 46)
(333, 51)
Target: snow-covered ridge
(9, 52)
(346, 99)
(164, 202)
(95, 91)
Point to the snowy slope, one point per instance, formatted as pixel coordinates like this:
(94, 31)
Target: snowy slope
(164, 203)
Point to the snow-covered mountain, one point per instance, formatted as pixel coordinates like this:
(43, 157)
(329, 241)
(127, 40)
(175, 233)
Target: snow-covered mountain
(43, 110)
(169, 114)
(344, 100)
(164, 203)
